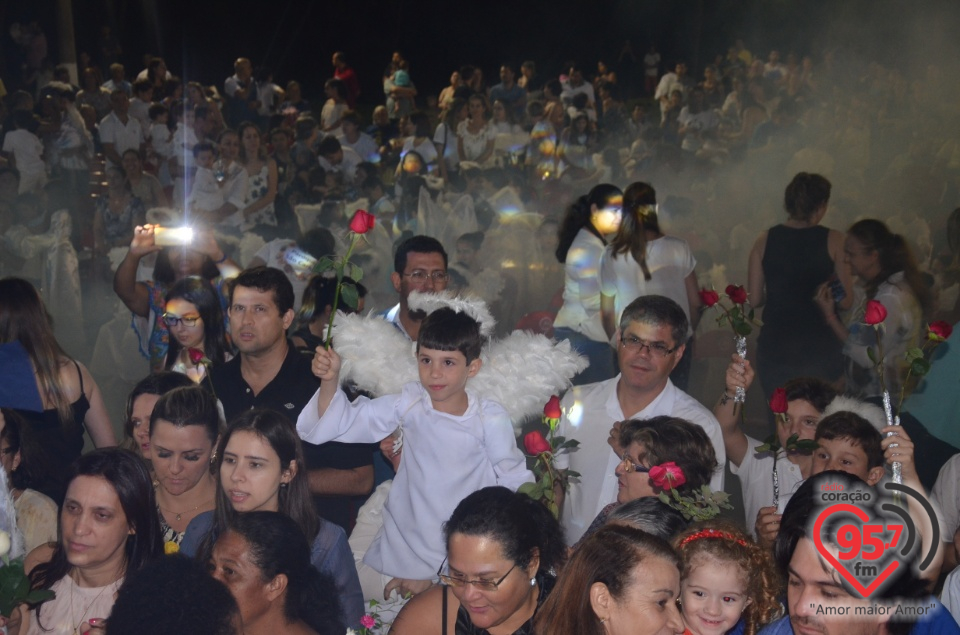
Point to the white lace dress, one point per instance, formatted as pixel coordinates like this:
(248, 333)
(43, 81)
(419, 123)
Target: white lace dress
(257, 188)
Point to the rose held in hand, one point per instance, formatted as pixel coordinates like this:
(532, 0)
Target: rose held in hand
(709, 297)
(875, 313)
(778, 401)
(667, 476)
(534, 443)
(196, 355)
(939, 331)
(362, 222)
(737, 295)
(552, 409)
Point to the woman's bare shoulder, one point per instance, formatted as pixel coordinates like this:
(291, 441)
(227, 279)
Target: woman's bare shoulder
(421, 615)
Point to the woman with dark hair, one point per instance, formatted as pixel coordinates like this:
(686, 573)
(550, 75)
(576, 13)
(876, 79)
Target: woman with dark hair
(887, 273)
(475, 137)
(23, 464)
(184, 429)
(643, 444)
(261, 468)
(788, 264)
(201, 257)
(262, 179)
(620, 581)
(314, 314)
(140, 404)
(195, 318)
(336, 104)
(583, 237)
(503, 553)
(71, 399)
(416, 128)
(108, 528)
(641, 260)
(445, 137)
(264, 559)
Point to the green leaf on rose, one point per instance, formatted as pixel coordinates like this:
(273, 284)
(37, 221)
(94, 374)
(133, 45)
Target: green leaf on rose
(355, 272)
(912, 354)
(326, 263)
(872, 355)
(348, 292)
(920, 367)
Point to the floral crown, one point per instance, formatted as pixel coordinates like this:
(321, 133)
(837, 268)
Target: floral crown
(712, 533)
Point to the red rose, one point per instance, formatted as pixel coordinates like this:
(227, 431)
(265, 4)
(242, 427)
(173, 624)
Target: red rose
(667, 476)
(939, 331)
(737, 295)
(552, 409)
(875, 313)
(196, 355)
(778, 401)
(535, 444)
(709, 297)
(362, 222)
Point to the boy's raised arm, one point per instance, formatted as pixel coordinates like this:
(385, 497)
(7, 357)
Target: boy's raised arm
(326, 366)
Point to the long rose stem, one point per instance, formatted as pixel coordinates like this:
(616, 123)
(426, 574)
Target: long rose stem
(336, 294)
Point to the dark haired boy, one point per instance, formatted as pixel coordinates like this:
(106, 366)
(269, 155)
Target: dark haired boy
(454, 443)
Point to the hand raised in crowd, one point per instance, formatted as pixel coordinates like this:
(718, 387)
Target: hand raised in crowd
(739, 374)
(391, 450)
(824, 300)
(143, 242)
(898, 448)
(767, 526)
(326, 364)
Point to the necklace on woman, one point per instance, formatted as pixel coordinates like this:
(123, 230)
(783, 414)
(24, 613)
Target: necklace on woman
(73, 620)
(179, 515)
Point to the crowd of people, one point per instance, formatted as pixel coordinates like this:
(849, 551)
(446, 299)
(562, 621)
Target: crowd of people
(248, 446)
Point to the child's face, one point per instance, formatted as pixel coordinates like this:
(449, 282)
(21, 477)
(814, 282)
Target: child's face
(162, 118)
(444, 375)
(802, 420)
(713, 597)
(844, 455)
(205, 159)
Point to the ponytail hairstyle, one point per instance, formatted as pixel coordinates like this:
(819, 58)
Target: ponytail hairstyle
(278, 547)
(723, 542)
(578, 217)
(895, 255)
(639, 217)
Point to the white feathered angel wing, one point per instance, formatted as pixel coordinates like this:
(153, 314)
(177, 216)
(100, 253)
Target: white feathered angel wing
(375, 355)
(522, 371)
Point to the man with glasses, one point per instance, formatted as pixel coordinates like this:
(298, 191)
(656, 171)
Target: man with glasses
(650, 342)
(420, 264)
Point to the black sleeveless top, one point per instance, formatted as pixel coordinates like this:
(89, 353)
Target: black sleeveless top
(61, 443)
(795, 262)
(465, 627)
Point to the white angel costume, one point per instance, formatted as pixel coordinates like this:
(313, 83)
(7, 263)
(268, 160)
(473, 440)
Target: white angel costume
(445, 457)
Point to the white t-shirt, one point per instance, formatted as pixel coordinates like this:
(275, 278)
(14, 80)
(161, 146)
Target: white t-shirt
(426, 150)
(27, 151)
(669, 260)
(123, 136)
(365, 146)
(756, 481)
(589, 413)
(581, 288)
(331, 113)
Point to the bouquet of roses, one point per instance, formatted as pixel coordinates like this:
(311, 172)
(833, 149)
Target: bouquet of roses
(544, 450)
(740, 316)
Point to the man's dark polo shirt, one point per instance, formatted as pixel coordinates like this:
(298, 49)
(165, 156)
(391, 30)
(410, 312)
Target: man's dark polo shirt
(288, 393)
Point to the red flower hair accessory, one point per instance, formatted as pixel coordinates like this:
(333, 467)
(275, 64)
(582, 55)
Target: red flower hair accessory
(712, 533)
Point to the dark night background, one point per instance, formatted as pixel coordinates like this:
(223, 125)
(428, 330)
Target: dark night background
(296, 38)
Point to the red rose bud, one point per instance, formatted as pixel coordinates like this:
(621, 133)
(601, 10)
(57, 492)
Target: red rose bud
(196, 355)
(535, 444)
(667, 476)
(709, 297)
(778, 401)
(939, 331)
(362, 222)
(737, 295)
(552, 409)
(875, 313)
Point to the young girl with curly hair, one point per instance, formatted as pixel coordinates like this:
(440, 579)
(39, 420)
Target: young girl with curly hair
(728, 583)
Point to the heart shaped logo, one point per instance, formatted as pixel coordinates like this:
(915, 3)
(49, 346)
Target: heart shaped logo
(877, 545)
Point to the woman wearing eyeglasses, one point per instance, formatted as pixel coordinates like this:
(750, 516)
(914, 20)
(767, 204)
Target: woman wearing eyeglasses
(503, 552)
(193, 314)
(645, 443)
